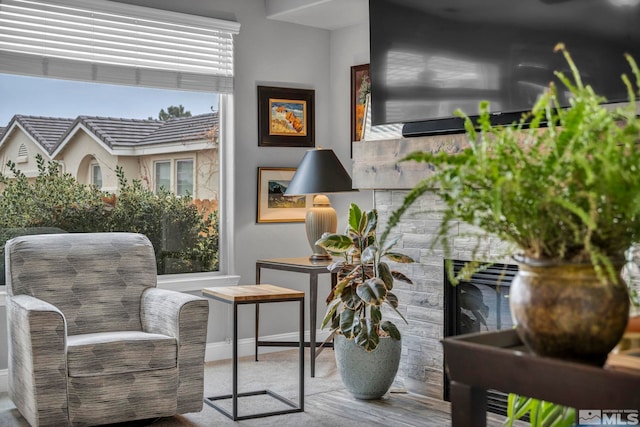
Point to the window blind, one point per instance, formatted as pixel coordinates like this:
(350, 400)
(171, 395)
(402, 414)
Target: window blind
(110, 42)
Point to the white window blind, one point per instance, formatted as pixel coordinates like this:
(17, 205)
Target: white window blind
(110, 42)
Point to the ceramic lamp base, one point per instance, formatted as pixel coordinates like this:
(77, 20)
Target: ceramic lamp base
(320, 219)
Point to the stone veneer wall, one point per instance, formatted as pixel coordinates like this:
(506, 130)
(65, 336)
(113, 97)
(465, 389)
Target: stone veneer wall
(377, 166)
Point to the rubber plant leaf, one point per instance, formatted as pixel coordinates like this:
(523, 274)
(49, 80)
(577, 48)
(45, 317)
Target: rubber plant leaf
(401, 258)
(390, 329)
(372, 291)
(355, 214)
(367, 337)
(336, 243)
(347, 320)
(384, 273)
(331, 309)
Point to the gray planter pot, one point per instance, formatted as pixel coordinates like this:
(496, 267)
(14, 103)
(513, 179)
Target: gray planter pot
(367, 375)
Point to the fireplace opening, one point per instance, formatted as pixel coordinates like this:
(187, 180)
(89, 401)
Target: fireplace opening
(479, 305)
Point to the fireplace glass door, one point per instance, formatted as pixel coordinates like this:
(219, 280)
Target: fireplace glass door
(480, 304)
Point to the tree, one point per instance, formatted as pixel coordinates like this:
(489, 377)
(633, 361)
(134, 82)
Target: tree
(172, 112)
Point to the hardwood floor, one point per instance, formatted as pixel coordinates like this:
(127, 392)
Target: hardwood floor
(327, 403)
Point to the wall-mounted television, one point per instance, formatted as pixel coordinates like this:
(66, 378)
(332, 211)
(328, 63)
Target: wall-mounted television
(431, 57)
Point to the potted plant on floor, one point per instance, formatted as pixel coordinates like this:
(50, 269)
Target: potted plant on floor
(367, 348)
(562, 187)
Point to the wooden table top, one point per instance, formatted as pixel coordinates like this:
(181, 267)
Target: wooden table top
(252, 293)
(300, 262)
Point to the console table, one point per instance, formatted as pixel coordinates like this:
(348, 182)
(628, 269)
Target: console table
(500, 361)
(298, 265)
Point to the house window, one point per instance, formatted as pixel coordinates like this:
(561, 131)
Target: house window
(96, 175)
(162, 176)
(184, 177)
(191, 56)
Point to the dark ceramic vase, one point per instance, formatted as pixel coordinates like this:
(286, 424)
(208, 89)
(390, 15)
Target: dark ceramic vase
(567, 311)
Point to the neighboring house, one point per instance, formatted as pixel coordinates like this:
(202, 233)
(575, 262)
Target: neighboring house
(179, 154)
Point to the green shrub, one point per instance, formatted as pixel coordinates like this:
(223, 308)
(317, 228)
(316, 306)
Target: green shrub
(183, 238)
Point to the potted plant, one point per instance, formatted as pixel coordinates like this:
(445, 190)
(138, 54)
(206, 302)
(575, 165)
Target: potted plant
(367, 347)
(562, 187)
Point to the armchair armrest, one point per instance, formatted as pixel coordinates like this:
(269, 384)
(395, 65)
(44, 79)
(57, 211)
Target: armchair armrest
(184, 317)
(37, 360)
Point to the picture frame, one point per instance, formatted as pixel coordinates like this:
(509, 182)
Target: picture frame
(360, 88)
(273, 205)
(286, 117)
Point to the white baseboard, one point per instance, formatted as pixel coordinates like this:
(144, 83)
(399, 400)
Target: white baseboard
(246, 346)
(222, 350)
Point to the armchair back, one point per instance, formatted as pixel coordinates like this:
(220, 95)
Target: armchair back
(95, 279)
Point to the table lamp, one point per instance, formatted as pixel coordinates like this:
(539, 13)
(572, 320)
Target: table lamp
(320, 172)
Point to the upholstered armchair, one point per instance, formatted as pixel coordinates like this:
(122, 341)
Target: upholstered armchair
(91, 339)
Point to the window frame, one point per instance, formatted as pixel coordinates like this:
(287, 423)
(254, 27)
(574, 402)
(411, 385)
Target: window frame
(156, 163)
(176, 173)
(93, 166)
(190, 281)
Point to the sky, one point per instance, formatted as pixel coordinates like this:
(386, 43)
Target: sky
(36, 96)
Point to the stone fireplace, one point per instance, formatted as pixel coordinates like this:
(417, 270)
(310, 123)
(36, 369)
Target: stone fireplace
(377, 166)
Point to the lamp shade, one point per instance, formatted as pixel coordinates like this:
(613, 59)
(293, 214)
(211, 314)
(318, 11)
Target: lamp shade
(320, 171)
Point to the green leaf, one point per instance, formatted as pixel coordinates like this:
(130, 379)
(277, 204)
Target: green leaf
(348, 322)
(372, 291)
(369, 255)
(337, 243)
(368, 337)
(392, 299)
(371, 224)
(397, 257)
(331, 309)
(390, 329)
(355, 215)
(384, 273)
(350, 297)
(375, 315)
(399, 276)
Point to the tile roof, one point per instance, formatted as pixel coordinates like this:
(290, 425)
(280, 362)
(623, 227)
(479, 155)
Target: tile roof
(50, 132)
(46, 130)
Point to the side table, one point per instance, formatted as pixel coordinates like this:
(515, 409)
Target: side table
(298, 265)
(499, 360)
(254, 294)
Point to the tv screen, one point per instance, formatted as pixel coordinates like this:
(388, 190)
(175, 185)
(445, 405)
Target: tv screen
(431, 57)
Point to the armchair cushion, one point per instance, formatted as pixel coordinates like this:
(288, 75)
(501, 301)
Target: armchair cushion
(106, 353)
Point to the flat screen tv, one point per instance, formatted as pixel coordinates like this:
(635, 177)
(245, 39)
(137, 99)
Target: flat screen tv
(431, 57)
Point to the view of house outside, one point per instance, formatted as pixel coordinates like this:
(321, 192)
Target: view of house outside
(87, 157)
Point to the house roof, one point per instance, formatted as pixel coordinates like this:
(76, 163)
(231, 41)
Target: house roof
(44, 130)
(51, 132)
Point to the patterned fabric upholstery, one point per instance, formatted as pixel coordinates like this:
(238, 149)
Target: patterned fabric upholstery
(91, 339)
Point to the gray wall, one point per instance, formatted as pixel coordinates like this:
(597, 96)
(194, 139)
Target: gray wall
(281, 54)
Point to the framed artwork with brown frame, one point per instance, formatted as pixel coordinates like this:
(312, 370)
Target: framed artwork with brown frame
(273, 205)
(360, 87)
(285, 117)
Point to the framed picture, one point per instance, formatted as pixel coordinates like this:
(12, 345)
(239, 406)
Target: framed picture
(360, 88)
(285, 117)
(273, 205)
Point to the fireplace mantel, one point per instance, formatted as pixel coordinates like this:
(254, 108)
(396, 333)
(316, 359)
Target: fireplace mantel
(378, 164)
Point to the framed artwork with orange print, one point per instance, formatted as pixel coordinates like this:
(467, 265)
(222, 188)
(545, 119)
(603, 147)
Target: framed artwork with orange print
(360, 87)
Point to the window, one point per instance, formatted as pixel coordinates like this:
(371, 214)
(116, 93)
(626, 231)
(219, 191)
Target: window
(184, 177)
(162, 176)
(96, 175)
(183, 182)
(130, 50)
